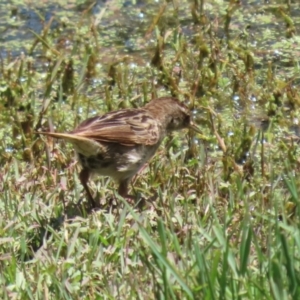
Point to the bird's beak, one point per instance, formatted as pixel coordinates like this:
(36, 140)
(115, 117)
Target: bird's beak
(194, 127)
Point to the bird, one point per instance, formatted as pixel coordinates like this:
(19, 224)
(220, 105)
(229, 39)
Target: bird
(119, 143)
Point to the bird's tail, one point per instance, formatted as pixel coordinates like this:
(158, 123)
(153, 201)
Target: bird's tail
(81, 144)
(66, 136)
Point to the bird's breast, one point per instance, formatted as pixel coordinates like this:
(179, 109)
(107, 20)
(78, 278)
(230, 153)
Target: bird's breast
(118, 161)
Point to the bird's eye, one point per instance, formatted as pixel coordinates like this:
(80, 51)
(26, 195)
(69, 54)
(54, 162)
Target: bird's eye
(187, 120)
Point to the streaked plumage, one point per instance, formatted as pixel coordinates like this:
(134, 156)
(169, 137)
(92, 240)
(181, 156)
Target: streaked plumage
(120, 142)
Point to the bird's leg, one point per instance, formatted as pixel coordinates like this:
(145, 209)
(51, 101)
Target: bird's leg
(84, 176)
(123, 190)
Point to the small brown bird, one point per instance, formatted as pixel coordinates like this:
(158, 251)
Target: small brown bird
(120, 142)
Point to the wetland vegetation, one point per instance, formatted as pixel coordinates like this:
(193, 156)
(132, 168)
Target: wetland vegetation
(221, 216)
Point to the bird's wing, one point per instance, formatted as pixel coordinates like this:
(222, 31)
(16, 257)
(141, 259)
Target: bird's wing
(127, 127)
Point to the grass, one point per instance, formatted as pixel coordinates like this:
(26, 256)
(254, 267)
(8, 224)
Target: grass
(221, 220)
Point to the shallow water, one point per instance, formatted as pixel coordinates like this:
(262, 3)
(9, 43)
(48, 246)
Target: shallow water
(125, 33)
